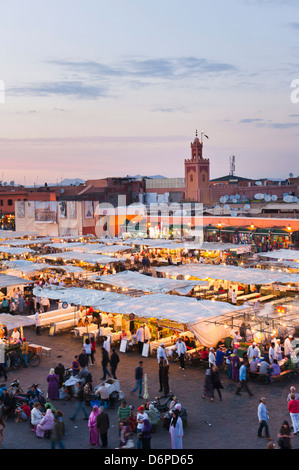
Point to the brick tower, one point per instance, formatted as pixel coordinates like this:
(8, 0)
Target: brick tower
(197, 174)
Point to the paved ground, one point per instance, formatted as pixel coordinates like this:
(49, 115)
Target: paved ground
(230, 424)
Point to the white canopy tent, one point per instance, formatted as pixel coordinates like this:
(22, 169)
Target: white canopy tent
(15, 251)
(84, 257)
(249, 276)
(176, 245)
(20, 243)
(141, 282)
(12, 281)
(28, 268)
(182, 310)
(290, 255)
(15, 321)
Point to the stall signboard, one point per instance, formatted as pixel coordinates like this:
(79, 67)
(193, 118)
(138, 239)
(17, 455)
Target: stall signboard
(172, 325)
(123, 346)
(145, 349)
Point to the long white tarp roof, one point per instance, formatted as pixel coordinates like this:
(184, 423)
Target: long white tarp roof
(15, 321)
(85, 257)
(281, 254)
(230, 273)
(137, 281)
(161, 306)
(175, 245)
(29, 267)
(15, 251)
(77, 295)
(9, 281)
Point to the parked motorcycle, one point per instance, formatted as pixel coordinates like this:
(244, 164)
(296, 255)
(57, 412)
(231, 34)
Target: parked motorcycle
(15, 387)
(31, 397)
(163, 406)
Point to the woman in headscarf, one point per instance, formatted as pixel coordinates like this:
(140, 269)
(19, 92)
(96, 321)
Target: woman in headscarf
(146, 434)
(92, 424)
(46, 424)
(53, 385)
(235, 362)
(176, 429)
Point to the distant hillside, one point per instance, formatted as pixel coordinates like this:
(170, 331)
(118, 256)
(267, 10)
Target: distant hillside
(68, 182)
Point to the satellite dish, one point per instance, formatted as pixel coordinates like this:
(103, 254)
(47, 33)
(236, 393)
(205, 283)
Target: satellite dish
(274, 197)
(234, 213)
(237, 196)
(285, 194)
(226, 206)
(291, 175)
(5, 184)
(12, 183)
(267, 198)
(258, 196)
(258, 183)
(295, 199)
(222, 199)
(231, 197)
(247, 207)
(287, 199)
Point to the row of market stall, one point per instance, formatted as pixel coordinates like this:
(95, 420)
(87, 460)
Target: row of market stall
(181, 293)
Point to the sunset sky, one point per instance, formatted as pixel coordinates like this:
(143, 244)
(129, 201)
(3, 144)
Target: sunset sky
(118, 87)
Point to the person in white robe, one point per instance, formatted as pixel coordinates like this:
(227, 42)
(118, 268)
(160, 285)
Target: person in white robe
(176, 429)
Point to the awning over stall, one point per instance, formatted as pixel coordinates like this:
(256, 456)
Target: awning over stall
(281, 254)
(10, 281)
(237, 274)
(84, 257)
(137, 281)
(15, 321)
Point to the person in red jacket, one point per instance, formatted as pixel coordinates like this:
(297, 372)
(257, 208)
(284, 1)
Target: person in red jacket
(293, 407)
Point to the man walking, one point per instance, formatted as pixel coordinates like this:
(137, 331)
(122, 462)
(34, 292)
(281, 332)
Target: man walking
(243, 380)
(165, 378)
(83, 360)
(161, 356)
(80, 403)
(105, 362)
(140, 336)
(139, 379)
(181, 351)
(37, 322)
(263, 418)
(114, 360)
(103, 426)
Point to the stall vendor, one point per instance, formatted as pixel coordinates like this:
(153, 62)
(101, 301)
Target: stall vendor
(15, 337)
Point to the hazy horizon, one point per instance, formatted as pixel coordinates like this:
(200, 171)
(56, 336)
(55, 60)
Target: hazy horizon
(119, 87)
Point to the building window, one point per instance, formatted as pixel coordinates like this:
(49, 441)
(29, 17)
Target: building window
(9, 202)
(1, 202)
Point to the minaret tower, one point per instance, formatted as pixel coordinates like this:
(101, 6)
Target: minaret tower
(197, 174)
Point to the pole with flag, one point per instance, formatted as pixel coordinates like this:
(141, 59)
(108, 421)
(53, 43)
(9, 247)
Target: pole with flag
(203, 135)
